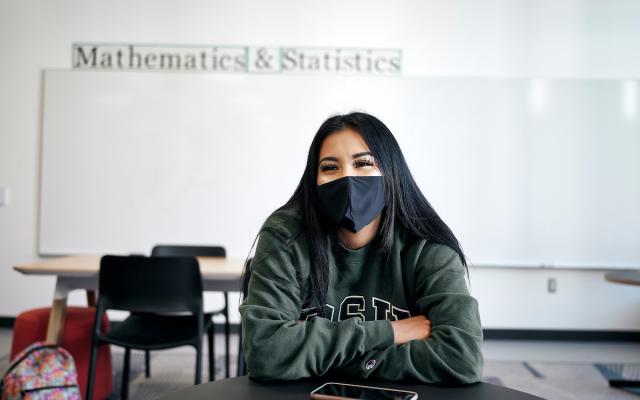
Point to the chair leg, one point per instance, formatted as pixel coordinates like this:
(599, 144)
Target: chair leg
(147, 364)
(226, 334)
(212, 351)
(124, 390)
(198, 379)
(92, 370)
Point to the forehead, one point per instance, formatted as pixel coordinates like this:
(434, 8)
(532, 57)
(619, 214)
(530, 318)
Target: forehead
(343, 143)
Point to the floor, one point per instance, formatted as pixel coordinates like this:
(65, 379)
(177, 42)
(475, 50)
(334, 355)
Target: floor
(552, 370)
(595, 352)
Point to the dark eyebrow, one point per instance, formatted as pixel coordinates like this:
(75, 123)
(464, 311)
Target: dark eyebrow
(329, 159)
(357, 155)
(364, 153)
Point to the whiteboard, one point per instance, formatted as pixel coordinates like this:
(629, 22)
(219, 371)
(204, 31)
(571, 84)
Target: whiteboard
(525, 172)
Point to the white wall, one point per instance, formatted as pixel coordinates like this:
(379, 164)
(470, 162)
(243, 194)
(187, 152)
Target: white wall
(569, 39)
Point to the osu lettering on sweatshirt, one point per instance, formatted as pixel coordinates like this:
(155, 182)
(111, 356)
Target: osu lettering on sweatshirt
(355, 337)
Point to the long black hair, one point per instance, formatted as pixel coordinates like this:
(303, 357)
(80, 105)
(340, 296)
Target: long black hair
(404, 202)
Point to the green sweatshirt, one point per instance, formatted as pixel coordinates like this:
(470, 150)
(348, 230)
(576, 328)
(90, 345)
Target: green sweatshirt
(355, 338)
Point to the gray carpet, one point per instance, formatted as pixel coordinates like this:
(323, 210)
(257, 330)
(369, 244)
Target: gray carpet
(169, 371)
(555, 380)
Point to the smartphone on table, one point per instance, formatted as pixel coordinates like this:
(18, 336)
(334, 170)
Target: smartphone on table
(335, 391)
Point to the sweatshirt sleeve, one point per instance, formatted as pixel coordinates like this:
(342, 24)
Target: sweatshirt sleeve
(453, 352)
(275, 345)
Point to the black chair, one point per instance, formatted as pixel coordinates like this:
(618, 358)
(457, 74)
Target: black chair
(148, 286)
(203, 251)
(242, 364)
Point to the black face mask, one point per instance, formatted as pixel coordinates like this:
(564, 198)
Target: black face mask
(352, 201)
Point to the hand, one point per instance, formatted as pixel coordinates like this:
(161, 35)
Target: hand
(414, 328)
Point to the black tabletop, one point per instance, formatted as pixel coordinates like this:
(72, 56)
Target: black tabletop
(244, 388)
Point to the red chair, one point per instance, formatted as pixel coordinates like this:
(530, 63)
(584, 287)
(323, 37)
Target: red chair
(31, 326)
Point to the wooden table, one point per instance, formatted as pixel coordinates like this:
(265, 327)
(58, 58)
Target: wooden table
(624, 277)
(219, 274)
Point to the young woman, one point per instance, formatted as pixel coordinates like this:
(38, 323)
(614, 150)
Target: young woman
(357, 275)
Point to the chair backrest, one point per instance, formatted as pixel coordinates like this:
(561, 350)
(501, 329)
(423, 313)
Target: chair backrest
(150, 284)
(164, 250)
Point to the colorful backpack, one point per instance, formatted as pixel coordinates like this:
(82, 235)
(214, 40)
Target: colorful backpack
(41, 372)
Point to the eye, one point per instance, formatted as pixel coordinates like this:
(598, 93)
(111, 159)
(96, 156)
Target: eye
(363, 162)
(328, 166)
